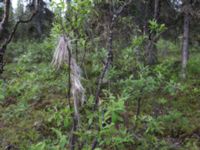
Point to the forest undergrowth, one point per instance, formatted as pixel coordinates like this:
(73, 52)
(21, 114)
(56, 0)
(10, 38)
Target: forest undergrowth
(140, 107)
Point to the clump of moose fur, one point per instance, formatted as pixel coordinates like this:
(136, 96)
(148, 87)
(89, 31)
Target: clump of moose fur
(62, 55)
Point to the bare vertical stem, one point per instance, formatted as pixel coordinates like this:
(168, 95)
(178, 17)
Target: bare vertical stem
(73, 138)
(69, 78)
(185, 46)
(110, 52)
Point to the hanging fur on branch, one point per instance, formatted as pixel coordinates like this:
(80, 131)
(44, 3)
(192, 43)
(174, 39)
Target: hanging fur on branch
(62, 55)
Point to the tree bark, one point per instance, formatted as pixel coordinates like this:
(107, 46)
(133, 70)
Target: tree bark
(185, 45)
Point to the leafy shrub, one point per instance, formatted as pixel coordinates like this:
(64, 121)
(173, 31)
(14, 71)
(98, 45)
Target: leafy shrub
(193, 66)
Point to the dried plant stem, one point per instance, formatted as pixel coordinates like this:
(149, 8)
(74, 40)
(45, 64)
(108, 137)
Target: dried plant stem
(63, 55)
(69, 78)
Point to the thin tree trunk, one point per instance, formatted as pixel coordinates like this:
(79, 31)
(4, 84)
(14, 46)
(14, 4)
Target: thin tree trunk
(110, 52)
(185, 46)
(151, 46)
(156, 9)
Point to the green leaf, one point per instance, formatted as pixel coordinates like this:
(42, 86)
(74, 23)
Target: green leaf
(39, 146)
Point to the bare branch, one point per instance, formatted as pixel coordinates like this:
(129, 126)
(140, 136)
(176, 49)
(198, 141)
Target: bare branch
(9, 39)
(110, 52)
(16, 26)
